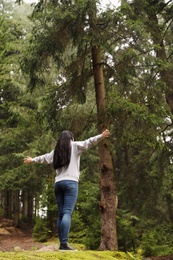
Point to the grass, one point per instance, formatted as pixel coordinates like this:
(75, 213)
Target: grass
(73, 255)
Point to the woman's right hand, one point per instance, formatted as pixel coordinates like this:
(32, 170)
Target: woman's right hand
(27, 160)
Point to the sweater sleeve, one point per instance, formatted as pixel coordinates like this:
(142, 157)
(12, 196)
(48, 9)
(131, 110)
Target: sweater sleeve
(84, 145)
(45, 158)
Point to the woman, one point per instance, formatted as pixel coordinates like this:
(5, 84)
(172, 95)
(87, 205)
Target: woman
(66, 161)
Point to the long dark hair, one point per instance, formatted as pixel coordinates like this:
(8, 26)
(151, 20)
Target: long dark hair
(62, 152)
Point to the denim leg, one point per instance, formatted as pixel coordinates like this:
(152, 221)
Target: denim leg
(60, 203)
(66, 193)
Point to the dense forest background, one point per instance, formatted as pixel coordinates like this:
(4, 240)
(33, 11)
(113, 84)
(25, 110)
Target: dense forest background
(47, 86)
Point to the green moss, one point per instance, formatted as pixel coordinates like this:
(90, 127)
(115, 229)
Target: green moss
(79, 255)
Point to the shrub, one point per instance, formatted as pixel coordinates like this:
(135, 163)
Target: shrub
(157, 242)
(41, 231)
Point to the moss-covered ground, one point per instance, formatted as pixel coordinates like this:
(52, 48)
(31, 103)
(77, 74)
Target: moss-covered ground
(72, 255)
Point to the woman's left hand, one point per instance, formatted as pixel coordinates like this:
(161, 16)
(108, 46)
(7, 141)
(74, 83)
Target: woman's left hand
(27, 160)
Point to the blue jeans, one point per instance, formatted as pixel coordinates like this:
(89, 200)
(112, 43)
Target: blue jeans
(66, 193)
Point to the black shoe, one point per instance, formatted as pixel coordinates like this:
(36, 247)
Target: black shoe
(66, 247)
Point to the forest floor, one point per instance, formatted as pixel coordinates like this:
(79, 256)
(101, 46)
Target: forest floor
(12, 237)
(20, 239)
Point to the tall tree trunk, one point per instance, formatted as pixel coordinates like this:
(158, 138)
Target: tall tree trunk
(7, 204)
(130, 179)
(30, 206)
(16, 208)
(25, 204)
(108, 200)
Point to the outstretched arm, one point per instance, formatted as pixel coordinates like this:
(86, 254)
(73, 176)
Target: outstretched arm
(84, 145)
(45, 158)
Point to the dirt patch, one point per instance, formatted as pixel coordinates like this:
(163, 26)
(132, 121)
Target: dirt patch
(17, 239)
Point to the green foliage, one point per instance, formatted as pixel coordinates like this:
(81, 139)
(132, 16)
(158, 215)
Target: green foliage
(77, 228)
(41, 231)
(126, 224)
(13, 136)
(157, 241)
(131, 115)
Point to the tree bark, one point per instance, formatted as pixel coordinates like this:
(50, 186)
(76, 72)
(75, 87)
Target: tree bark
(108, 196)
(7, 204)
(24, 204)
(16, 208)
(30, 206)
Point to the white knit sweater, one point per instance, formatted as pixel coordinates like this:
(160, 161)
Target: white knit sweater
(72, 172)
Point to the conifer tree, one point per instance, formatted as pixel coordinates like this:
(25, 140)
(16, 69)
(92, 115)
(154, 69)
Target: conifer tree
(66, 37)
